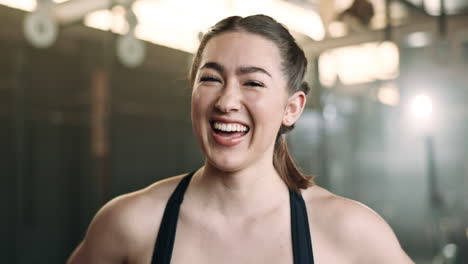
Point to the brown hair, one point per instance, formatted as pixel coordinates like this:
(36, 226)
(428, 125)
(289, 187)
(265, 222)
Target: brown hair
(294, 66)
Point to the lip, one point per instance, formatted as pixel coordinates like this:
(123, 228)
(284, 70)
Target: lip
(229, 142)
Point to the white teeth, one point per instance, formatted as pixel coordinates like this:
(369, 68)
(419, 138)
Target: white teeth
(231, 127)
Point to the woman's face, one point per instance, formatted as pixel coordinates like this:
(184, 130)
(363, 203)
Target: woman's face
(239, 100)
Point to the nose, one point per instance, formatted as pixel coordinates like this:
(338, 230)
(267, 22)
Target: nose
(229, 99)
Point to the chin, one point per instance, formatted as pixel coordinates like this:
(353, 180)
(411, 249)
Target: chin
(227, 163)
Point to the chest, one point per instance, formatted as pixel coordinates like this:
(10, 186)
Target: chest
(260, 241)
(252, 244)
(241, 248)
(246, 251)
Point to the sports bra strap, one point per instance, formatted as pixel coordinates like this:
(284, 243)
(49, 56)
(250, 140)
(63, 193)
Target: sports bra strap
(167, 230)
(301, 240)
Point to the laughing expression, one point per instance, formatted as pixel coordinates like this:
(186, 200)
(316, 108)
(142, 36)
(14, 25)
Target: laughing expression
(238, 100)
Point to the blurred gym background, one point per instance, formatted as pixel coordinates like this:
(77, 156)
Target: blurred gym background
(95, 102)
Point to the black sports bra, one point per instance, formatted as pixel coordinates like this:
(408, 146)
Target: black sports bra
(301, 242)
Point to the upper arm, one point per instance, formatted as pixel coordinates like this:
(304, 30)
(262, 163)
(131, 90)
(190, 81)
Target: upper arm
(107, 238)
(371, 239)
(126, 227)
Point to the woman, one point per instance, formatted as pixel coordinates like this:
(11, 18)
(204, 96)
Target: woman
(248, 203)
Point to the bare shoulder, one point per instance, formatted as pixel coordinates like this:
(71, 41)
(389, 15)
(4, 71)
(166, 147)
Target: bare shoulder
(358, 230)
(125, 226)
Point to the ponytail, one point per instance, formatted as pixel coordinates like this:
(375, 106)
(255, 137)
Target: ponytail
(284, 163)
(286, 167)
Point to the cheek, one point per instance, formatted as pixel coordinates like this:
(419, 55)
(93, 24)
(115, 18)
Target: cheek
(197, 103)
(199, 106)
(195, 110)
(269, 111)
(194, 102)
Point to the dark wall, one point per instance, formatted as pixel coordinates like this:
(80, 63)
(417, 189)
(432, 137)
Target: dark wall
(53, 181)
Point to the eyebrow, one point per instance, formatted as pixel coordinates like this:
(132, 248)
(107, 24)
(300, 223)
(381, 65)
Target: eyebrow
(242, 70)
(214, 66)
(252, 69)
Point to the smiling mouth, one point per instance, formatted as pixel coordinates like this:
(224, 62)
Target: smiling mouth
(229, 131)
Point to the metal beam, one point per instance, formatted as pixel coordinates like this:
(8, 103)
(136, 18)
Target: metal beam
(428, 24)
(75, 10)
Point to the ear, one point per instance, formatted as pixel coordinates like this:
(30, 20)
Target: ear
(294, 108)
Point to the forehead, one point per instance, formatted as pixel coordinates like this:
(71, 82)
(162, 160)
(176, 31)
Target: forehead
(236, 49)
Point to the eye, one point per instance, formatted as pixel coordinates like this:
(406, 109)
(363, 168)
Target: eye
(209, 79)
(254, 84)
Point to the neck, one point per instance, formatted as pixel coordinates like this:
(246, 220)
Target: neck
(255, 189)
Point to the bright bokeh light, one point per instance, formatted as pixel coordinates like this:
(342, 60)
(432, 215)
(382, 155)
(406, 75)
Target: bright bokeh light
(387, 58)
(360, 63)
(327, 71)
(26, 5)
(418, 39)
(177, 23)
(421, 107)
(389, 95)
(432, 6)
(342, 5)
(113, 20)
(337, 29)
(450, 250)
